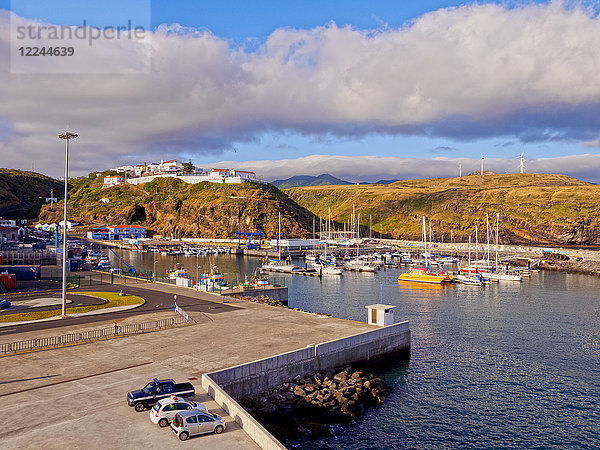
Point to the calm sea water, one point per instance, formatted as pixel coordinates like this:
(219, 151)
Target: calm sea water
(503, 366)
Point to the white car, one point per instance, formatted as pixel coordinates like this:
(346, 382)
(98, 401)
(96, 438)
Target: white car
(164, 410)
(190, 423)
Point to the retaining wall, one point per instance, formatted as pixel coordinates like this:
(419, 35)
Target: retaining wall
(249, 424)
(258, 376)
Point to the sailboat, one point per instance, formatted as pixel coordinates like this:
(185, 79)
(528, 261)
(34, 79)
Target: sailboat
(502, 274)
(470, 278)
(278, 265)
(327, 266)
(423, 275)
(357, 263)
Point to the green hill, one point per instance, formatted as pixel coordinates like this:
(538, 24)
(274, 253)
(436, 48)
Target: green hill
(534, 208)
(170, 206)
(20, 193)
(309, 180)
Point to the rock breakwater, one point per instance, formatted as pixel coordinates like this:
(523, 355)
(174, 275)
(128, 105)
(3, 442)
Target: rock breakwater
(311, 405)
(265, 299)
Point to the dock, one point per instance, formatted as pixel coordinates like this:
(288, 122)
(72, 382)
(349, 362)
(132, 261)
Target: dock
(297, 271)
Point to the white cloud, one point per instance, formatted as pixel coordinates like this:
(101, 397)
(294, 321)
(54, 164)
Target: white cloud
(374, 168)
(474, 71)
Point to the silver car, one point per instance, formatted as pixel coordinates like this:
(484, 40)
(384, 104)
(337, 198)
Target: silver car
(164, 410)
(189, 423)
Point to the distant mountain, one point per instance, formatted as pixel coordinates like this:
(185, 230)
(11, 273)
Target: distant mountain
(386, 181)
(309, 180)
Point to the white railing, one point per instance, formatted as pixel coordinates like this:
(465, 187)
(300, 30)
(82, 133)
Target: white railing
(88, 336)
(182, 313)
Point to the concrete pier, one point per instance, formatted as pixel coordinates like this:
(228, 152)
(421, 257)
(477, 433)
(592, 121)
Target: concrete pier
(63, 391)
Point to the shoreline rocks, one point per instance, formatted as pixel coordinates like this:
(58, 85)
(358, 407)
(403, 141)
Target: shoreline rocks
(564, 264)
(265, 299)
(309, 405)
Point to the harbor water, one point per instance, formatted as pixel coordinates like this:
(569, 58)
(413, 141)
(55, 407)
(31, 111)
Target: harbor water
(510, 365)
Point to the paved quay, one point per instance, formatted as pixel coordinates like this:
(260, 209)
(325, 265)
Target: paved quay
(74, 397)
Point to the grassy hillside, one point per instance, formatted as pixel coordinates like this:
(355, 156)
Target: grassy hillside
(533, 207)
(171, 207)
(20, 193)
(309, 180)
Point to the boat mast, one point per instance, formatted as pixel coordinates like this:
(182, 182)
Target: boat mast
(487, 225)
(425, 243)
(314, 242)
(476, 245)
(497, 227)
(469, 266)
(358, 235)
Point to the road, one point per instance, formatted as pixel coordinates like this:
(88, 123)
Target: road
(159, 298)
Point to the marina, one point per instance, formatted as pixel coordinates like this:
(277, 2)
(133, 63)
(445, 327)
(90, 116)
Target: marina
(537, 340)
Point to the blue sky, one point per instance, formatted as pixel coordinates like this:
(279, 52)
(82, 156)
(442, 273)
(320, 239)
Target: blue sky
(535, 127)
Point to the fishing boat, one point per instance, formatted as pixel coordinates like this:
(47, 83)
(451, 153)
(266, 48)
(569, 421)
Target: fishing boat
(213, 281)
(178, 273)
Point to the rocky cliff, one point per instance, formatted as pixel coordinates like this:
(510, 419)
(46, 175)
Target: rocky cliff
(173, 208)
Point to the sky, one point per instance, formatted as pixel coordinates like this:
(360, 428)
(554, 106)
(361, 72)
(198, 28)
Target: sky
(362, 90)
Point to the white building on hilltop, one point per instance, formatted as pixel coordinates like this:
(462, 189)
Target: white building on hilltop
(225, 176)
(112, 180)
(171, 166)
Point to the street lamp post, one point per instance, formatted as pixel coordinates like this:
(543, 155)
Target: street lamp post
(67, 136)
(154, 272)
(197, 267)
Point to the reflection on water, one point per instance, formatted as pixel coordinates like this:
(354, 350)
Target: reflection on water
(512, 365)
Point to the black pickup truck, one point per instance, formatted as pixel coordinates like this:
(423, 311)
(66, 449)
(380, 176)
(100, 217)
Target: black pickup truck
(155, 390)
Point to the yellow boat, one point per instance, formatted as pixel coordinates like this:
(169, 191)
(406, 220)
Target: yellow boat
(424, 276)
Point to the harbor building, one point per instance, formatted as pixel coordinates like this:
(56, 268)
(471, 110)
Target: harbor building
(117, 232)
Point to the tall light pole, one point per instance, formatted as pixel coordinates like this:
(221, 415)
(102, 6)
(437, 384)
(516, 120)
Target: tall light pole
(67, 136)
(154, 271)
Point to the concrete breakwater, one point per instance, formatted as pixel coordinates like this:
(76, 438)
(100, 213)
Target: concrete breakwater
(258, 376)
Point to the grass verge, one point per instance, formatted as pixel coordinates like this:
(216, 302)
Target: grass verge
(112, 299)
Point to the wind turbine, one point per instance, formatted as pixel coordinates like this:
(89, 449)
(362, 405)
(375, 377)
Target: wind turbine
(482, 159)
(521, 162)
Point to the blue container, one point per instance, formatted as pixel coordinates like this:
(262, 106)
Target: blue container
(23, 273)
(75, 265)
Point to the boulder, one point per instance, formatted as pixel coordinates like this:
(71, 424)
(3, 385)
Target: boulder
(299, 391)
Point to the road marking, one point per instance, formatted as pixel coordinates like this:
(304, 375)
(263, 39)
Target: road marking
(76, 379)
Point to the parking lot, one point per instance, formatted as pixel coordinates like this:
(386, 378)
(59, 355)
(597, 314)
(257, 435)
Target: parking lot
(74, 397)
(92, 413)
